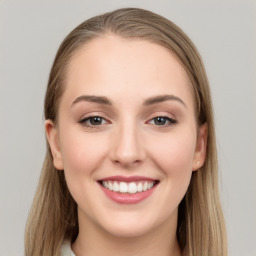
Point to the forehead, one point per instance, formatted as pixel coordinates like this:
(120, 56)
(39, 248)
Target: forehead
(113, 66)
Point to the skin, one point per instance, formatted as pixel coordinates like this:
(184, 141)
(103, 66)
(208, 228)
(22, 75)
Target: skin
(128, 141)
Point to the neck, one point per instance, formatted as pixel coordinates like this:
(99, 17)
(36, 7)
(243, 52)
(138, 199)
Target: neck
(93, 240)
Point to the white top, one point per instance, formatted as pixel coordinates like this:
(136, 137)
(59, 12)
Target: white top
(66, 250)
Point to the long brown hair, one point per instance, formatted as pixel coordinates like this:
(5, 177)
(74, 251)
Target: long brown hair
(53, 216)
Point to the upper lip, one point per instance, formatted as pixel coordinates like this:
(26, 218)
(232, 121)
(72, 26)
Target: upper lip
(127, 179)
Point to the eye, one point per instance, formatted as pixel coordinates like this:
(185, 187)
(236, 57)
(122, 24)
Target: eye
(93, 121)
(162, 121)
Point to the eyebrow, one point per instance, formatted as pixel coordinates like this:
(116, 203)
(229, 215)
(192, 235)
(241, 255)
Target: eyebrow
(150, 101)
(96, 99)
(162, 98)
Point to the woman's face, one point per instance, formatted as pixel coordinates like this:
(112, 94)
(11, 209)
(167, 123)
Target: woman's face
(126, 136)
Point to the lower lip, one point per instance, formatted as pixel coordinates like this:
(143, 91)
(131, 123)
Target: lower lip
(128, 198)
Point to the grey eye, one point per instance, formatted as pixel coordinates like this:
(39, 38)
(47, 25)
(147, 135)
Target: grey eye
(92, 121)
(95, 120)
(162, 120)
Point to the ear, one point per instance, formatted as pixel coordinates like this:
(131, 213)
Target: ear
(200, 151)
(53, 140)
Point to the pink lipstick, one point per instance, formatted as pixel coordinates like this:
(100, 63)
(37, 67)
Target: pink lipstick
(128, 190)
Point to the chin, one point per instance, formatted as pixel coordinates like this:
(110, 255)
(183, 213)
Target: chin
(128, 231)
(129, 226)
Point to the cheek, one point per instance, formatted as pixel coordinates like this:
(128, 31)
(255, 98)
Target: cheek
(81, 153)
(174, 155)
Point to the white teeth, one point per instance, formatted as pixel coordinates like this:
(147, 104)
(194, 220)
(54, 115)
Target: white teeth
(131, 187)
(115, 186)
(140, 187)
(105, 184)
(123, 187)
(110, 186)
(150, 185)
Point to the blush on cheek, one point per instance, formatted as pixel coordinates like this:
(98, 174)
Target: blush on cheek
(83, 153)
(79, 162)
(175, 156)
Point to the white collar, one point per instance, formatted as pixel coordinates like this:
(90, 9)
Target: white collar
(66, 250)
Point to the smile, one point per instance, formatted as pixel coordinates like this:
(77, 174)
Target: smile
(128, 190)
(128, 187)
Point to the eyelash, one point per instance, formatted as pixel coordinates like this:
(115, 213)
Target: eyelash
(170, 121)
(84, 121)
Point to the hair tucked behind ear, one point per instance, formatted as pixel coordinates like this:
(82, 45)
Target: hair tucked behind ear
(53, 216)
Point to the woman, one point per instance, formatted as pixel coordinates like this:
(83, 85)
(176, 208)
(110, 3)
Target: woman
(131, 165)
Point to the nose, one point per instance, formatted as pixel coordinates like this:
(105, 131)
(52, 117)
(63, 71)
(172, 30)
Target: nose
(128, 149)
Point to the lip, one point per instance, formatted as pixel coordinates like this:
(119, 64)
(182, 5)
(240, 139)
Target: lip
(127, 198)
(127, 179)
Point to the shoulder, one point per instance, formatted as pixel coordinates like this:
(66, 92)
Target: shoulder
(65, 249)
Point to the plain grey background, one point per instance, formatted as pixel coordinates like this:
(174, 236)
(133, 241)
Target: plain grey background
(30, 33)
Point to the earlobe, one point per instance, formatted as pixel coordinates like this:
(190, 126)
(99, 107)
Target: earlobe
(53, 140)
(200, 151)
